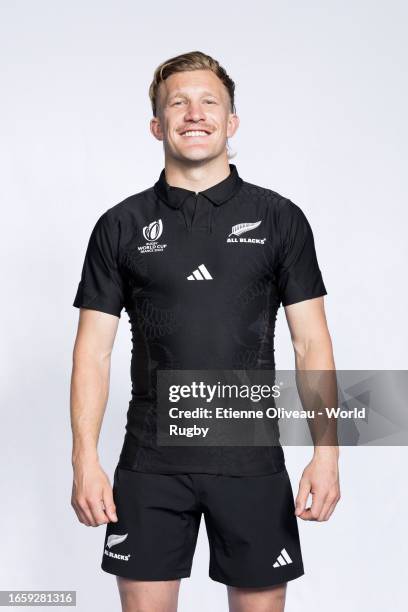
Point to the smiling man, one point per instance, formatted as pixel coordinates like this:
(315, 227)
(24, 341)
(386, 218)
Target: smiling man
(201, 262)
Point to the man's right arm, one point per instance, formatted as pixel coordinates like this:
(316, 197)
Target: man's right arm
(92, 497)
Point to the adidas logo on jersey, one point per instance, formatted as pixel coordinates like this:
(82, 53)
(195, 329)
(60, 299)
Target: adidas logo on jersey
(200, 274)
(283, 559)
(242, 228)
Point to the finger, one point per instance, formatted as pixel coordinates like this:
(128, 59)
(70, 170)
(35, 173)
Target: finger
(303, 494)
(80, 508)
(326, 506)
(331, 502)
(87, 510)
(327, 511)
(110, 508)
(76, 504)
(331, 510)
(332, 507)
(306, 515)
(317, 504)
(96, 507)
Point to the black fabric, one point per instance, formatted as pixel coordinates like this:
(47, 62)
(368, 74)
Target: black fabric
(298, 273)
(218, 194)
(249, 521)
(144, 256)
(102, 286)
(190, 209)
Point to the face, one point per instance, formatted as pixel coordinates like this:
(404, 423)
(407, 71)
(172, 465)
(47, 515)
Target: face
(194, 118)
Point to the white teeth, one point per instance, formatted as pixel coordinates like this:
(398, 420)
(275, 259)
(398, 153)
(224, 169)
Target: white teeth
(195, 133)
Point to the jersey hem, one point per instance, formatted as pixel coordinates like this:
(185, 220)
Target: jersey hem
(188, 469)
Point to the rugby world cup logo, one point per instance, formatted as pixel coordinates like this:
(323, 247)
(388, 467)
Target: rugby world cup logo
(153, 231)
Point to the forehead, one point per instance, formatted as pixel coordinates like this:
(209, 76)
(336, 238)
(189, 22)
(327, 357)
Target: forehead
(193, 81)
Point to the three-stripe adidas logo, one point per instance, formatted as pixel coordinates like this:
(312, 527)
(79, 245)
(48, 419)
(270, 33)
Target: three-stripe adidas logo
(200, 274)
(283, 559)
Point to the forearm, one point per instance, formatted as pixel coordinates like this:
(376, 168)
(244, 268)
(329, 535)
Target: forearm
(89, 395)
(317, 386)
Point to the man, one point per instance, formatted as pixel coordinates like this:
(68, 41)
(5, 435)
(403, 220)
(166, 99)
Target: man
(201, 262)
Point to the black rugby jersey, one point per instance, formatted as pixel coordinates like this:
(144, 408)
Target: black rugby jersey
(201, 277)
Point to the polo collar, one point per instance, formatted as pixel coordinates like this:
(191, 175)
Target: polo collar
(217, 194)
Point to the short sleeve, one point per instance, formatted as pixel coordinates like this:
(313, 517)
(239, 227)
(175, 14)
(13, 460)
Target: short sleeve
(101, 286)
(298, 275)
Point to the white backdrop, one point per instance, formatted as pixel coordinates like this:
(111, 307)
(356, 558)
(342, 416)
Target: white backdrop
(322, 97)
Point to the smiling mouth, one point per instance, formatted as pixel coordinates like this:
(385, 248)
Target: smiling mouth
(195, 133)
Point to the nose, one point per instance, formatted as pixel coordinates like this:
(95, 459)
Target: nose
(194, 112)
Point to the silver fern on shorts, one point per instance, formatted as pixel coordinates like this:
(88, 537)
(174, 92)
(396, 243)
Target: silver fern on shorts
(115, 539)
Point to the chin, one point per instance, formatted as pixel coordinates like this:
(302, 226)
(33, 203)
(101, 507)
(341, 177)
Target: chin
(199, 154)
(196, 156)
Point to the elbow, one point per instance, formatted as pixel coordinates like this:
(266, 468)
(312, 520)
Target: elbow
(314, 352)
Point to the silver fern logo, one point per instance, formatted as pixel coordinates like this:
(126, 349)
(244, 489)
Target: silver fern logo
(242, 228)
(114, 539)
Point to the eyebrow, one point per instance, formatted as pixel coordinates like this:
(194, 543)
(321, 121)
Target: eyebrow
(181, 93)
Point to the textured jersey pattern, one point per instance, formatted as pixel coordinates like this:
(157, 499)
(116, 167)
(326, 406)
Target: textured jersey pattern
(258, 249)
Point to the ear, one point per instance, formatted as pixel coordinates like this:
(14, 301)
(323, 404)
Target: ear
(233, 124)
(155, 128)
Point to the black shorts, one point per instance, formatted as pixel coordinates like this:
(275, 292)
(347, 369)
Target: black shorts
(251, 526)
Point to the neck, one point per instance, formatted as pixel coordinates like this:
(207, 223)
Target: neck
(196, 175)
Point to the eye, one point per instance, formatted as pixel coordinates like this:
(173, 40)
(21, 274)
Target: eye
(210, 101)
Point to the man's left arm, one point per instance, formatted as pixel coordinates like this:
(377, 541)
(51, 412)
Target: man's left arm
(313, 351)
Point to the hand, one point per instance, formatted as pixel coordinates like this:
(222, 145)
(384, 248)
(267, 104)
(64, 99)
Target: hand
(320, 478)
(92, 497)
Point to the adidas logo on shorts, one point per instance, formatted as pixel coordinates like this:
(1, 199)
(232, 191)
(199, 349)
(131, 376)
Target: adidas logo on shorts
(283, 559)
